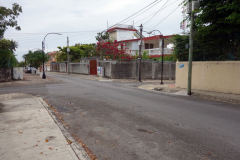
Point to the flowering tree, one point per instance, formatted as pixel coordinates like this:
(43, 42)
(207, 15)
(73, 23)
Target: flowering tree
(112, 50)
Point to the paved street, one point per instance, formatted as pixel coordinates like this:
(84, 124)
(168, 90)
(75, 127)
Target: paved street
(117, 120)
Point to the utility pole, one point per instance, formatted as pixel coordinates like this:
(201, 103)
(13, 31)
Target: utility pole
(192, 6)
(140, 56)
(68, 66)
(162, 58)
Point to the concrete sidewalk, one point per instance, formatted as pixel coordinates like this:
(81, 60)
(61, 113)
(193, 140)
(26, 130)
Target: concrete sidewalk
(208, 95)
(28, 131)
(30, 79)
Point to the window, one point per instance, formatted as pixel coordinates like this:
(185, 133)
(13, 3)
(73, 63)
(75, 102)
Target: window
(146, 46)
(149, 46)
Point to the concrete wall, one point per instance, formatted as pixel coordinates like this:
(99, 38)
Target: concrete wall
(55, 67)
(48, 68)
(218, 76)
(74, 67)
(123, 69)
(82, 67)
(62, 67)
(124, 34)
(113, 36)
(5, 74)
(129, 69)
(18, 73)
(107, 67)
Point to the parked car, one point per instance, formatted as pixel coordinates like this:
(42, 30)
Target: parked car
(27, 70)
(30, 70)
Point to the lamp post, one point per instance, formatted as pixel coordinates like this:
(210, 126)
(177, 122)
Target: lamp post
(43, 47)
(160, 51)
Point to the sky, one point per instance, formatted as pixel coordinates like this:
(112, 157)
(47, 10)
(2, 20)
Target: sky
(81, 20)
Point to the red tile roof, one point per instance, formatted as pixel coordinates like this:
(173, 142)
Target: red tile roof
(54, 52)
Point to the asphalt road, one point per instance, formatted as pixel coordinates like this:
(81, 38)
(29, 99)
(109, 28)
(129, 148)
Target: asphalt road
(118, 121)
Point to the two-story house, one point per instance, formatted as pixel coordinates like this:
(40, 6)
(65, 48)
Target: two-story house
(130, 36)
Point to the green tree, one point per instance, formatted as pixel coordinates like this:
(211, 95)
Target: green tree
(7, 57)
(21, 64)
(102, 36)
(8, 18)
(76, 52)
(35, 58)
(217, 26)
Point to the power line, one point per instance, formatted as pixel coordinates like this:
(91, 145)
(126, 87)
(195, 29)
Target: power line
(166, 17)
(33, 38)
(157, 12)
(132, 15)
(50, 39)
(143, 11)
(37, 33)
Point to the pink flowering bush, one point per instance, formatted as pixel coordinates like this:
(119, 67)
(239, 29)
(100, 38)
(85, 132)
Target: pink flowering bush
(111, 50)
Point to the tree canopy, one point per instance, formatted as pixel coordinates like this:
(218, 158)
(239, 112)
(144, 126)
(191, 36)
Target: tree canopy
(218, 25)
(35, 58)
(102, 36)
(76, 52)
(217, 35)
(7, 57)
(8, 18)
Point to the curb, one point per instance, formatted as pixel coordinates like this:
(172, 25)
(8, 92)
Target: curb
(78, 150)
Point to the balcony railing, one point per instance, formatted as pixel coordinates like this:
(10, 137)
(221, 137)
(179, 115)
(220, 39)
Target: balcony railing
(157, 51)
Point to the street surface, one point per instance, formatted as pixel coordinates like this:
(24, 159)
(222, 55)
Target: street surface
(119, 121)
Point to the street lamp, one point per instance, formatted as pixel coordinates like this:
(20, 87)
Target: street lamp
(162, 51)
(43, 47)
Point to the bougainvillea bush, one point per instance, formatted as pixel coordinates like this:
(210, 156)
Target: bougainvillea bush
(112, 50)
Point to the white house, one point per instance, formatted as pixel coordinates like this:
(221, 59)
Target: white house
(128, 35)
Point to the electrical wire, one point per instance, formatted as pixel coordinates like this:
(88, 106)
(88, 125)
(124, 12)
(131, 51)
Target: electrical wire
(166, 17)
(42, 33)
(60, 38)
(142, 12)
(155, 12)
(161, 9)
(33, 38)
(131, 15)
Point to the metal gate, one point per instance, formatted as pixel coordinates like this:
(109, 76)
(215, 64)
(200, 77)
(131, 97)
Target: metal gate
(93, 67)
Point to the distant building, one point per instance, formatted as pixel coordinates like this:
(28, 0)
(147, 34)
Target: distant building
(52, 59)
(130, 36)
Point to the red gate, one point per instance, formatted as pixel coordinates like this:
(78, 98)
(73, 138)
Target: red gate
(93, 67)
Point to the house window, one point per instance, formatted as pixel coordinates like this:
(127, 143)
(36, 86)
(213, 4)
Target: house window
(146, 46)
(149, 46)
